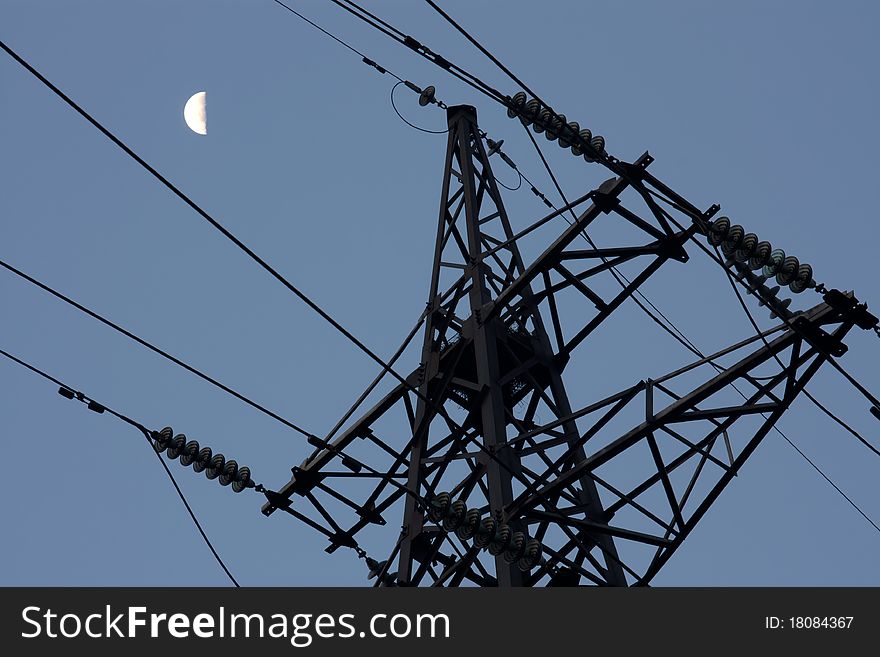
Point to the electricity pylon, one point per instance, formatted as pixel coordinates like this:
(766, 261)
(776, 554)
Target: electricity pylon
(500, 481)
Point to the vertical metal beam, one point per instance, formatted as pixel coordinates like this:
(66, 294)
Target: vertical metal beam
(413, 519)
(485, 337)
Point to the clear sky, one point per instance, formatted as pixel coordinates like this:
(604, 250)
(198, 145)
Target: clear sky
(768, 108)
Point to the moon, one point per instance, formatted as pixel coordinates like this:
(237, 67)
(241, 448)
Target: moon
(195, 114)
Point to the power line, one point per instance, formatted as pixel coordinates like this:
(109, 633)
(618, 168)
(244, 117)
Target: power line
(193, 515)
(373, 20)
(404, 39)
(207, 217)
(826, 478)
(839, 421)
(373, 16)
(344, 43)
(71, 393)
(488, 54)
(413, 44)
(518, 184)
(374, 64)
(128, 334)
(318, 27)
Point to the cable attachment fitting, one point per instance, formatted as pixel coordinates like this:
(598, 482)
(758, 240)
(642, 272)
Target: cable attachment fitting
(495, 147)
(378, 67)
(541, 196)
(427, 96)
(91, 404)
(376, 569)
(850, 308)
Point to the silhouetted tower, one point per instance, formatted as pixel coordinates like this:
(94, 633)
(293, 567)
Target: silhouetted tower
(490, 364)
(500, 481)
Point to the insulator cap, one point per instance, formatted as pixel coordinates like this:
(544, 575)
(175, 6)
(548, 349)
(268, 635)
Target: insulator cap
(516, 104)
(215, 467)
(531, 112)
(230, 470)
(718, 231)
(555, 125)
(500, 541)
(485, 532)
(733, 239)
(761, 255)
(438, 506)
(515, 547)
(189, 453)
(541, 121)
(788, 270)
(426, 96)
(162, 438)
(203, 460)
(375, 567)
(747, 247)
(598, 144)
(585, 136)
(774, 262)
(531, 555)
(471, 524)
(242, 479)
(455, 515)
(569, 134)
(175, 446)
(803, 280)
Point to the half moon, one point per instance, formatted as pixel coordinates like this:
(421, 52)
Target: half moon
(195, 113)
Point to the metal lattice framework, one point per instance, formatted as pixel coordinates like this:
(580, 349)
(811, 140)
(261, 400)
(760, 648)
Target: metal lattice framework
(500, 481)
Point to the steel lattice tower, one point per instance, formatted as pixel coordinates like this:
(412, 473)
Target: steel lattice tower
(494, 496)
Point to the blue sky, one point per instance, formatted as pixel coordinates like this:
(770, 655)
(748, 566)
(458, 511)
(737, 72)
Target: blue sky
(766, 108)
